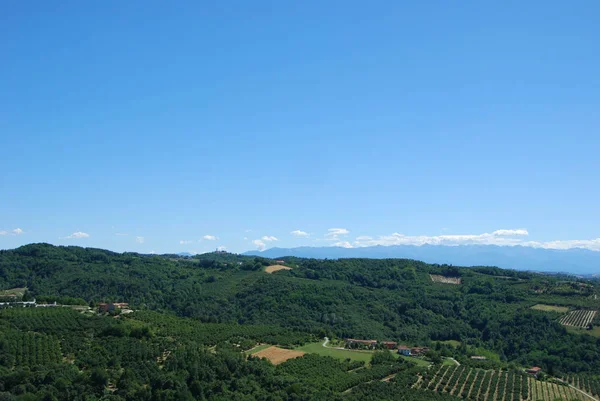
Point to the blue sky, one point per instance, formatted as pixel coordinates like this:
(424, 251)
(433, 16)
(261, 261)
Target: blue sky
(246, 121)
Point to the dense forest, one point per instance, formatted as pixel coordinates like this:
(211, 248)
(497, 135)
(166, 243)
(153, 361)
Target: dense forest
(195, 316)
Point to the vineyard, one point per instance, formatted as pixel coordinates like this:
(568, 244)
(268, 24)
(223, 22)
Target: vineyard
(491, 385)
(585, 383)
(578, 318)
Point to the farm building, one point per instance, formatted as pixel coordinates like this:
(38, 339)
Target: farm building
(107, 307)
(534, 371)
(478, 358)
(389, 344)
(351, 343)
(403, 350)
(418, 350)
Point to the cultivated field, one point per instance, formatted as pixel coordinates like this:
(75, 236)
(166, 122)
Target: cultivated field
(492, 385)
(446, 280)
(274, 268)
(578, 318)
(550, 308)
(278, 355)
(589, 385)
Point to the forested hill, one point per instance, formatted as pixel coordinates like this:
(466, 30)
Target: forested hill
(387, 299)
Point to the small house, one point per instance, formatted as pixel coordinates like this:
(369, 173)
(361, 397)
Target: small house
(104, 307)
(418, 350)
(404, 350)
(389, 344)
(478, 358)
(534, 371)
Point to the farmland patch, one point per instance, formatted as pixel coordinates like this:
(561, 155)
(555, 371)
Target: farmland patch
(13, 294)
(445, 280)
(278, 355)
(274, 268)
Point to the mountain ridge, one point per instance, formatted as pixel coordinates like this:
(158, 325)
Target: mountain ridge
(573, 261)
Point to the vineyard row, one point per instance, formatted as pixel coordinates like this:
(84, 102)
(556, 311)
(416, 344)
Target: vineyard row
(492, 385)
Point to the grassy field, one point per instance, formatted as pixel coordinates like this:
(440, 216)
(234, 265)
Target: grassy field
(576, 330)
(13, 291)
(419, 362)
(317, 348)
(258, 348)
(453, 343)
(550, 308)
(356, 355)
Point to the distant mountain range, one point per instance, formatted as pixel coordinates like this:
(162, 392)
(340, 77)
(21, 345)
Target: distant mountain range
(574, 261)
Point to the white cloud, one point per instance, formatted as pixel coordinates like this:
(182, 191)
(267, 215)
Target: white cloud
(259, 244)
(139, 240)
(210, 238)
(269, 238)
(364, 238)
(502, 237)
(519, 232)
(152, 252)
(590, 244)
(336, 231)
(222, 248)
(121, 234)
(299, 233)
(183, 242)
(77, 235)
(343, 244)
(333, 234)
(245, 238)
(499, 237)
(16, 231)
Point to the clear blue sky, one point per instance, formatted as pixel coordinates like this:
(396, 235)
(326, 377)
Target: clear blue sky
(171, 121)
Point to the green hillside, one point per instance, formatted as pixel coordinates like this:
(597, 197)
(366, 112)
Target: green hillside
(194, 317)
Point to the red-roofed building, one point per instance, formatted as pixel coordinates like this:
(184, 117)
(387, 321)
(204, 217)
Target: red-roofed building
(534, 371)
